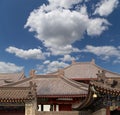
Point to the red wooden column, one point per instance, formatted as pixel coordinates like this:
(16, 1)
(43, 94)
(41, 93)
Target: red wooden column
(107, 110)
(54, 107)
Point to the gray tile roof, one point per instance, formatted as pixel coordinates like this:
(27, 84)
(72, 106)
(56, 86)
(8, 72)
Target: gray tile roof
(55, 86)
(12, 93)
(85, 70)
(7, 78)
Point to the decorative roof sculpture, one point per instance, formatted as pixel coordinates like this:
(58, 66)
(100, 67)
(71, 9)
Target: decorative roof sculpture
(101, 77)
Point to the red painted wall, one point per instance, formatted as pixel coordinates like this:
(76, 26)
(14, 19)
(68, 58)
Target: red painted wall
(65, 107)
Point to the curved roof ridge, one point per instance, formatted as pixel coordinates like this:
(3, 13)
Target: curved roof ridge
(8, 78)
(78, 83)
(18, 82)
(46, 76)
(14, 76)
(12, 73)
(75, 84)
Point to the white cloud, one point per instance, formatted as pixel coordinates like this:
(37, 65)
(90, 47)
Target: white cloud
(63, 50)
(67, 58)
(51, 66)
(46, 62)
(26, 54)
(96, 26)
(105, 52)
(82, 9)
(59, 27)
(116, 61)
(64, 3)
(106, 7)
(9, 67)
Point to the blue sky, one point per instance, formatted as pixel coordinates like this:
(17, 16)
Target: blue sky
(48, 34)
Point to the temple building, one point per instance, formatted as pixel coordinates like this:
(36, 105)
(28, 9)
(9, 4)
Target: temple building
(83, 88)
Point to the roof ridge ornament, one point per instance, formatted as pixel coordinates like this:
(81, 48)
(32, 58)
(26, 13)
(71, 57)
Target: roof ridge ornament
(73, 62)
(93, 61)
(101, 77)
(32, 73)
(32, 86)
(60, 72)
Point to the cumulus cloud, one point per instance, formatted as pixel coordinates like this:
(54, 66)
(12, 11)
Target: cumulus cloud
(6, 67)
(106, 7)
(96, 26)
(64, 3)
(57, 28)
(51, 66)
(116, 61)
(46, 62)
(26, 54)
(58, 25)
(63, 50)
(105, 52)
(67, 58)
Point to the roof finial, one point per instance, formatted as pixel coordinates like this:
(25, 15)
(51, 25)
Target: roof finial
(93, 61)
(33, 86)
(61, 72)
(73, 62)
(32, 73)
